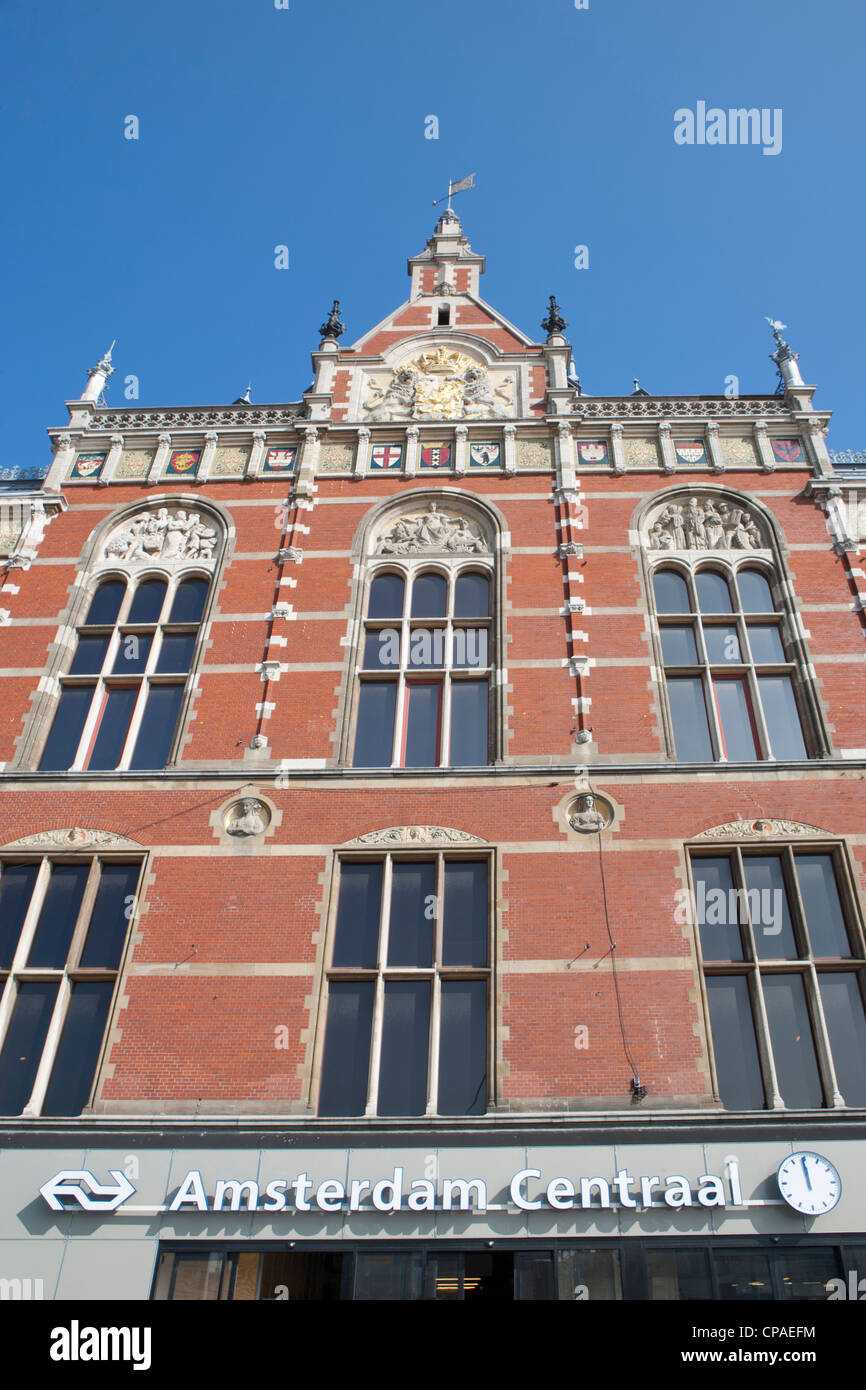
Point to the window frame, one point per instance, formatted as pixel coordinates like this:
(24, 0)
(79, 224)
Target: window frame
(749, 670)
(106, 678)
(451, 569)
(382, 973)
(72, 972)
(806, 964)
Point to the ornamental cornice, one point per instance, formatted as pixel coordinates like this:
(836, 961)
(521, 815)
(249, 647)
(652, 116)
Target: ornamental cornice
(657, 408)
(158, 419)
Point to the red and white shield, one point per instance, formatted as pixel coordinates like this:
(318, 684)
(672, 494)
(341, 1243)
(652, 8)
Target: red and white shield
(594, 451)
(386, 456)
(787, 450)
(690, 450)
(436, 456)
(280, 459)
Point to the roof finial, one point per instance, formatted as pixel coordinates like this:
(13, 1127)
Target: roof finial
(554, 322)
(333, 326)
(97, 377)
(784, 357)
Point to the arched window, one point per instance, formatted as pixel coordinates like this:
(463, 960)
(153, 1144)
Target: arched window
(121, 695)
(424, 679)
(731, 662)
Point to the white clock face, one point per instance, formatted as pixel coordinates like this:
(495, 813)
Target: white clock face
(809, 1183)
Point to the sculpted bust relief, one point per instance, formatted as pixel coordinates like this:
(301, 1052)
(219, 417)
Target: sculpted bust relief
(248, 817)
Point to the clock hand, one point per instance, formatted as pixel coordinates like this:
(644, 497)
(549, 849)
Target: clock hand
(806, 1174)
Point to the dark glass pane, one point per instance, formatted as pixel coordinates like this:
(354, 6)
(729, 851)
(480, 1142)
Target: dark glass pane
(158, 726)
(346, 1062)
(199, 1278)
(469, 740)
(429, 596)
(413, 904)
(736, 722)
(22, 1051)
(689, 717)
(766, 643)
(386, 596)
(113, 727)
(392, 1276)
(472, 596)
(755, 594)
(316, 1276)
(113, 909)
(803, 1274)
(356, 938)
(768, 908)
(717, 909)
(382, 649)
(671, 592)
(464, 923)
(846, 1025)
(713, 593)
(734, 1046)
(65, 736)
(176, 651)
(147, 602)
(463, 1048)
(426, 648)
(374, 739)
(105, 604)
(791, 1037)
(189, 601)
(132, 654)
(781, 717)
(89, 656)
(422, 725)
(821, 905)
(596, 1271)
(403, 1065)
(78, 1051)
(678, 645)
(679, 1275)
(58, 916)
(723, 643)
(743, 1274)
(534, 1276)
(17, 882)
(469, 647)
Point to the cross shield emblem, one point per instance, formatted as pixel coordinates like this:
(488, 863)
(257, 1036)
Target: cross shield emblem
(386, 456)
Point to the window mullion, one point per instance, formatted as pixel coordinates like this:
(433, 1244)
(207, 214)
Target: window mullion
(49, 1049)
(826, 1066)
(31, 918)
(379, 990)
(134, 724)
(436, 1001)
(764, 743)
(88, 898)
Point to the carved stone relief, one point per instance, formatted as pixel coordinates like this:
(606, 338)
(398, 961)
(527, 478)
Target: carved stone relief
(641, 453)
(431, 530)
(247, 817)
(229, 461)
(336, 458)
(73, 838)
(704, 522)
(168, 536)
(440, 385)
(759, 830)
(418, 835)
(590, 812)
(534, 453)
(135, 463)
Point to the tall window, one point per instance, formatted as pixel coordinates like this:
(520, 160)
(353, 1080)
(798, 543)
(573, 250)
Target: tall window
(425, 669)
(63, 926)
(785, 970)
(408, 984)
(728, 665)
(121, 697)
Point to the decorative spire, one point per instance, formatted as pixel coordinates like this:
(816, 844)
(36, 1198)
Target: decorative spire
(638, 389)
(333, 327)
(97, 377)
(784, 357)
(554, 322)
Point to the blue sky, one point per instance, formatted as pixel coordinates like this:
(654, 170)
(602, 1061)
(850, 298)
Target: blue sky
(306, 127)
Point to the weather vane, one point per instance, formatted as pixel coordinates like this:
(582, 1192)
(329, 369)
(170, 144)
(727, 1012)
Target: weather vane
(459, 187)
